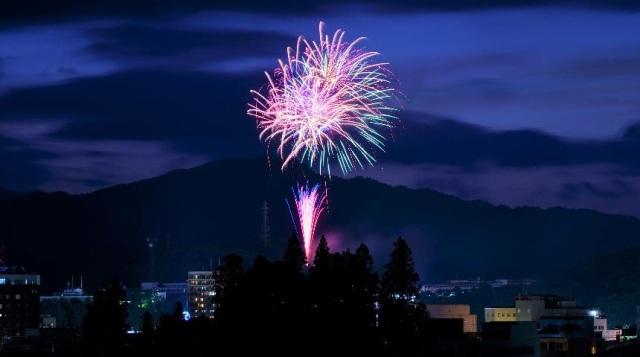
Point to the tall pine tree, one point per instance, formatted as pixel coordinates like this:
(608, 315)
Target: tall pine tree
(403, 319)
(294, 255)
(321, 258)
(400, 279)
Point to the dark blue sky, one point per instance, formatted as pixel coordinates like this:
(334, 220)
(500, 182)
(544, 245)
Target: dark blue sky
(518, 105)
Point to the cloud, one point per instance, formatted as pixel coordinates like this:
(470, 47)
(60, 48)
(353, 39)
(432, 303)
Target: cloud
(426, 139)
(616, 188)
(141, 105)
(21, 166)
(174, 46)
(49, 54)
(84, 166)
(55, 9)
(32, 157)
(101, 131)
(592, 186)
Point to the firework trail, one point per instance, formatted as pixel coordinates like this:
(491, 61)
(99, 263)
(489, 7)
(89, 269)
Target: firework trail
(310, 202)
(327, 102)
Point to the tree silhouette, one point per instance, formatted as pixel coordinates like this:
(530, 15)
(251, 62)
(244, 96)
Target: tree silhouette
(171, 329)
(365, 294)
(294, 255)
(144, 341)
(227, 277)
(400, 279)
(404, 320)
(321, 258)
(104, 328)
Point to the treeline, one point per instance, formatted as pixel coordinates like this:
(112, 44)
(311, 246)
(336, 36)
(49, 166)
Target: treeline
(335, 305)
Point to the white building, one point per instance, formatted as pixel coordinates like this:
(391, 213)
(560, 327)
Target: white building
(600, 326)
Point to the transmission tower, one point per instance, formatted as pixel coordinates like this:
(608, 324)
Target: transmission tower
(265, 235)
(151, 242)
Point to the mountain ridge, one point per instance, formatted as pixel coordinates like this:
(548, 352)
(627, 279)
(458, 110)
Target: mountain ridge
(197, 215)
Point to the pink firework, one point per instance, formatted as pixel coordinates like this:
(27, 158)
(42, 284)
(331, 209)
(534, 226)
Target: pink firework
(310, 203)
(327, 102)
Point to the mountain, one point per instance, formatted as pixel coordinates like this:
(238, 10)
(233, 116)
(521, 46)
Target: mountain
(195, 216)
(6, 194)
(609, 281)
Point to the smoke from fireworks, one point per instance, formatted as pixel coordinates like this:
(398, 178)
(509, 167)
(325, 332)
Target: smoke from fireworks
(309, 203)
(327, 102)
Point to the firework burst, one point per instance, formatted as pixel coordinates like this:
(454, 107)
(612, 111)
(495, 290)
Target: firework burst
(327, 102)
(310, 202)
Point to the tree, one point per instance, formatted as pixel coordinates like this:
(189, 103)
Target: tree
(104, 328)
(147, 332)
(171, 329)
(227, 277)
(321, 258)
(400, 279)
(404, 320)
(366, 283)
(232, 269)
(294, 254)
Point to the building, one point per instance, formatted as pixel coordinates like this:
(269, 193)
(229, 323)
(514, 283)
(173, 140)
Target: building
(201, 293)
(455, 311)
(448, 287)
(563, 327)
(157, 299)
(177, 293)
(64, 309)
(638, 320)
(19, 301)
(600, 327)
(530, 308)
(500, 314)
(510, 338)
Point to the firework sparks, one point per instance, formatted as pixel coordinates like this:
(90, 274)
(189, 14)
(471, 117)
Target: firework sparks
(327, 102)
(309, 203)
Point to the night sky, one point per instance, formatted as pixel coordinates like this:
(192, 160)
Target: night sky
(535, 105)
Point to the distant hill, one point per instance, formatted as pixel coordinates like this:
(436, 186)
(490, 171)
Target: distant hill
(195, 216)
(6, 194)
(609, 281)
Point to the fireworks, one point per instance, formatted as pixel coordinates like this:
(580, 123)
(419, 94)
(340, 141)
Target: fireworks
(327, 102)
(309, 203)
